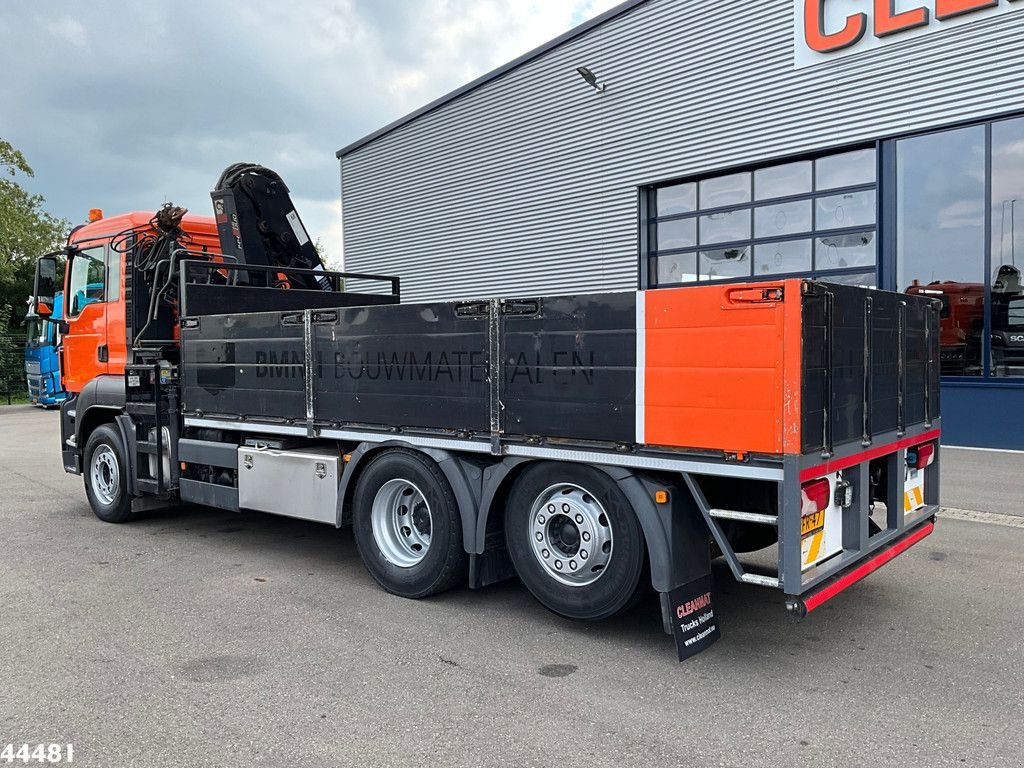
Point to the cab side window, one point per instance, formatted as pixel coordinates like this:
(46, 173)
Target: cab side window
(88, 283)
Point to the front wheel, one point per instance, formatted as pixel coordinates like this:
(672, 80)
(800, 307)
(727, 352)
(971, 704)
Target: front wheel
(106, 475)
(574, 540)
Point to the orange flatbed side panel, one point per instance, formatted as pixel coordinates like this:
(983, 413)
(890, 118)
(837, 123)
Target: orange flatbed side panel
(722, 372)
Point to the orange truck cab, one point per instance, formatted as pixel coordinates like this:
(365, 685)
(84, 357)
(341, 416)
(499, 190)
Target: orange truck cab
(95, 338)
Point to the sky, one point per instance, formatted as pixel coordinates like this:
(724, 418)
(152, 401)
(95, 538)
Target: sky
(125, 105)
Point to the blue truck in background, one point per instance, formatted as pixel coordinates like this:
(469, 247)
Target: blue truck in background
(42, 359)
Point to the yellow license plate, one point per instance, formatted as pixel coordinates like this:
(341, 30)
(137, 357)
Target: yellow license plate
(913, 492)
(812, 523)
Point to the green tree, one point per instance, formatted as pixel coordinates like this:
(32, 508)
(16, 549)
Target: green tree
(11, 373)
(27, 231)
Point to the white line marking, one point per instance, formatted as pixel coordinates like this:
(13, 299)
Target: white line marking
(972, 448)
(991, 518)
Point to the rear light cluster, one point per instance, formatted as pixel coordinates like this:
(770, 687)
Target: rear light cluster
(921, 456)
(814, 496)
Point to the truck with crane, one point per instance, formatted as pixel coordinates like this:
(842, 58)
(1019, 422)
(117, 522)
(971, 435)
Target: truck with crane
(596, 445)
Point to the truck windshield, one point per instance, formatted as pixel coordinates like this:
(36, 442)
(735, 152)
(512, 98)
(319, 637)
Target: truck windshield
(88, 279)
(35, 334)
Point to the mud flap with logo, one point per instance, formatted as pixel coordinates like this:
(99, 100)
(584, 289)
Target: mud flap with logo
(688, 608)
(694, 623)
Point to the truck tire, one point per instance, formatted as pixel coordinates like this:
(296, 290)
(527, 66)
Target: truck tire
(407, 525)
(106, 475)
(574, 540)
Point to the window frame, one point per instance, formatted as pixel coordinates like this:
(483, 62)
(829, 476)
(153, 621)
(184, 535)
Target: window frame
(649, 220)
(890, 190)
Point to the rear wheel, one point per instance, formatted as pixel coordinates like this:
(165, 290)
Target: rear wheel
(574, 540)
(106, 475)
(407, 525)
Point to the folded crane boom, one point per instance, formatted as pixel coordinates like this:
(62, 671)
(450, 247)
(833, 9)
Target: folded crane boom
(258, 225)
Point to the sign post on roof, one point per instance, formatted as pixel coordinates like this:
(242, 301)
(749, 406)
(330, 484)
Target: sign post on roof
(827, 30)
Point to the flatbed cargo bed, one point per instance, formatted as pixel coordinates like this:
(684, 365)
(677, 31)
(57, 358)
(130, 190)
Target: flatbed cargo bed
(756, 371)
(776, 382)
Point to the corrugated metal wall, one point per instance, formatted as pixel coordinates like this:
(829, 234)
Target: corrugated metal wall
(528, 184)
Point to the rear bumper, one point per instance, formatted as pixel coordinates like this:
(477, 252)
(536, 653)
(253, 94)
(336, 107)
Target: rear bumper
(803, 604)
(877, 474)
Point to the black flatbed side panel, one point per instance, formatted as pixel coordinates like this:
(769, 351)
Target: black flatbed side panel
(846, 409)
(569, 369)
(412, 365)
(247, 365)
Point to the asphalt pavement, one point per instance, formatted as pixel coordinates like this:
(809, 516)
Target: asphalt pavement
(203, 638)
(989, 481)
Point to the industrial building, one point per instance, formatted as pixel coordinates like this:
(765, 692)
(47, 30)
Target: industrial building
(676, 142)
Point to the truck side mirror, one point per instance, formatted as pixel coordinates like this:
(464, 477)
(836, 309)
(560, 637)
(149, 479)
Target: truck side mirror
(45, 286)
(62, 325)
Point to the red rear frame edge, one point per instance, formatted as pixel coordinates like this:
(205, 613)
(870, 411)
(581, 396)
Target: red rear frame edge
(834, 465)
(842, 582)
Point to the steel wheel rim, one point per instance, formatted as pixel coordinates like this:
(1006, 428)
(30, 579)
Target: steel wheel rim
(402, 523)
(570, 534)
(105, 475)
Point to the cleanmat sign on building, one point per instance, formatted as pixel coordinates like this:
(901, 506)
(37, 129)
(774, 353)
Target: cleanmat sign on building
(829, 29)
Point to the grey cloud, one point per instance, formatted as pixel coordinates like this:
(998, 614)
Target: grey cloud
(124, 105)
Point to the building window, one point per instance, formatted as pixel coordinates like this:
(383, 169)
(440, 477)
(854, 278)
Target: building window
(940, 236)
(958, 242)
(809, 217)
(1006, 308)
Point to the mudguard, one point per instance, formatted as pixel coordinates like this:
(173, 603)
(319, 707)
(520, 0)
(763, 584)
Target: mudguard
(464, 478)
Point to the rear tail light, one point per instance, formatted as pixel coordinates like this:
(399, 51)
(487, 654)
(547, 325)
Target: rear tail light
(814, 496)
(921, 456)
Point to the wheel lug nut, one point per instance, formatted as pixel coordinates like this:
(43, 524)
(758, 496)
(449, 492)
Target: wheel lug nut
(566, 508)
(545, 553)
(579, 519)
(586, 536)
(572, 565)
(558, 564)
(551, 507)
(540, 536)
(583, 554)
(540, 519)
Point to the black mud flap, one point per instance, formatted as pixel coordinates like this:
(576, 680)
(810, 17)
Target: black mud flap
(691, 610)
(688, 611)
